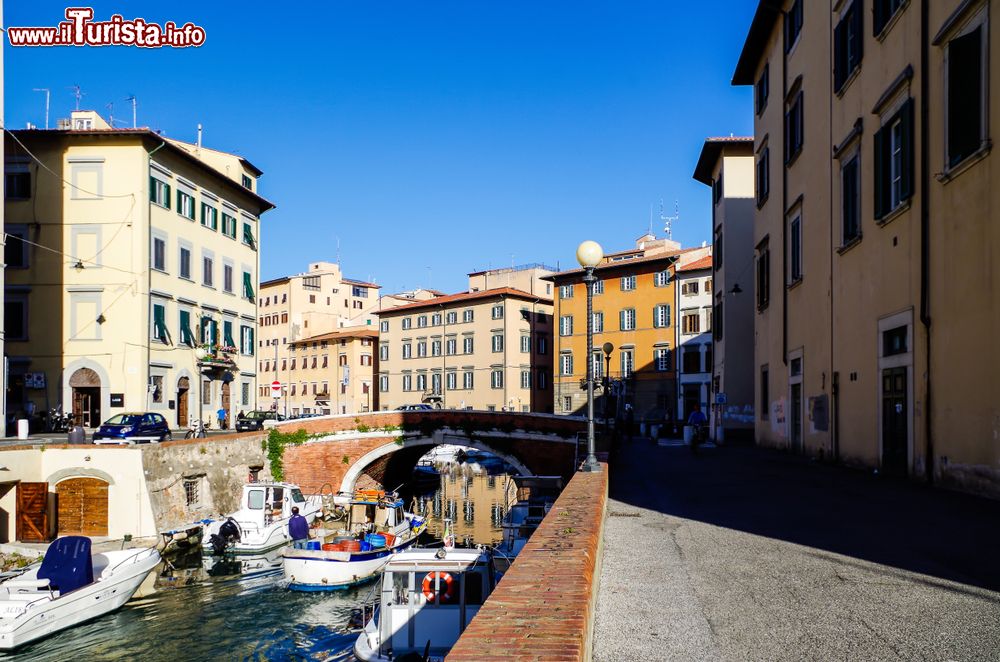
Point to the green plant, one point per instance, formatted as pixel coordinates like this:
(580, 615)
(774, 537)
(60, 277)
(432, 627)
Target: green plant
(362, 428)
(202, 450)
(276, 444)
(345, 460)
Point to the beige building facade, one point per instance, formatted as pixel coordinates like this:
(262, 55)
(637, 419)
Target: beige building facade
(132, 265)
(487, 349)
(875, 234)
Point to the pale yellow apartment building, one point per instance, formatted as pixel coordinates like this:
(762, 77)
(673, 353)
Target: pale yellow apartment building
(877, 234)
(132, 263)
(489, 348)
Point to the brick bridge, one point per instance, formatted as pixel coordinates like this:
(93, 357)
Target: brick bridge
(380, 449)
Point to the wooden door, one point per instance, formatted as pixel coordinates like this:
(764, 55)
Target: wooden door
(83, 507)
(895, 426)
(225, 402)
(183, 385)
(32, 512)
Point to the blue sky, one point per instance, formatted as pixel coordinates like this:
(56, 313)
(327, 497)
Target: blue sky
(431, 138)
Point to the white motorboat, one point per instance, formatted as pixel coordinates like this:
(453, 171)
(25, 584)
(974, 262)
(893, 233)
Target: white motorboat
(376, 528)
(427, 599)
(261, 523)
(68, 587)
(538, 494)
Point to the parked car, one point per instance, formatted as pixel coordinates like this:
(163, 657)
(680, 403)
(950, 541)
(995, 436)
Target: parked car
(139, 424)
(254, 420)
(419, 407)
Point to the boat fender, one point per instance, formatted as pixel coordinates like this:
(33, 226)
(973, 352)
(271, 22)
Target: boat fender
(446, 582)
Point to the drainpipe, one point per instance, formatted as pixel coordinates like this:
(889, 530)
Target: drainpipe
(784, 195)
(925, 183)
(149, 276)
(444, 355)
(834, 419)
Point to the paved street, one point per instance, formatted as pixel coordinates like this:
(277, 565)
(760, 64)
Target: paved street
(746, 554)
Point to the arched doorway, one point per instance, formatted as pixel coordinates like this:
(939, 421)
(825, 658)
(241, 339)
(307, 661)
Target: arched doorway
(226, 401)
(183, 387)
(86, 386)
(82, 507)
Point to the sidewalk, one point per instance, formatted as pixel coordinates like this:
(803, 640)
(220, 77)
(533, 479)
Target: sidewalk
(746, 554)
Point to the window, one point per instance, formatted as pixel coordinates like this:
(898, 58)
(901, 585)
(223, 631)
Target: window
(708, 286)
(566, 325)
(763, 179)
(661, 316)
(248, 293)
(451, 317)
(765, 397)
(793, 25)
(566, 365)
(497, 342)
(407, 323)
(468, 315)
(159, 192)
(661, 278)
(15, 316)
(185, 263)
(763, 275)
(626, 319)
(186, 335)
(451, 346)
(16, 250)
(565, 291)
(407, 382)
(185, 205)
(435, 348)
(383, 326)
(498, 311)
(717, 249)
(248, 237)
(689, 288)
(451, 381)
(359, 292)
(421, 382)
(795, 250)
(894, 161)
(229, 225)
(628, 363)
(383, 352)
(793, 128)
(17, 182)
(850, 200)
(627, 283)
(209, 331)
(436, 319)
(543, 344)
(661, 357)
(847, 45)
(690, 321)
(717, 189)
(191, 491)
(525, 379)
(598, 322)
(245, 394)
(160, 323)
(568, 403)
(692, 359)
(597, 364)
(882, 13)
(247, 182)
(421, 321)
(467, 380)
(159, 253)
(207, 270)
(467, 345)
(717, 320)
(894, 341)
(383, 383)
(543, 379)
(526, 344)
(965, 81)
(227, 278)
(246, 341)
(422, 348)
(209, 216)
(762, 89)
(496, 379)
(597, 287)
(407, 350)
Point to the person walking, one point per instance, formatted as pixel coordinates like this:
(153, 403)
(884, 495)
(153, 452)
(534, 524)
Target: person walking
(298, 527)
(697, 420)
(222, 418)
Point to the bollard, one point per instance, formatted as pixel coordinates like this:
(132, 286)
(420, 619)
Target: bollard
(22, 428)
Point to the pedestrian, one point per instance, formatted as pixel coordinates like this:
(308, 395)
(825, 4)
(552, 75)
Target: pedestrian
(298, 527)
(241, 415)
(697, 420)
(222, 418)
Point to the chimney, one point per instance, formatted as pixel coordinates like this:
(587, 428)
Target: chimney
(199, 137)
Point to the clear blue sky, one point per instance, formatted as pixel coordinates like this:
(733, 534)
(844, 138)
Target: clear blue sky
(433, 138)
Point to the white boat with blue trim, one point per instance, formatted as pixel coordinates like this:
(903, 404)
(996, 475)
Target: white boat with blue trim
(375, 529)
(261, 523)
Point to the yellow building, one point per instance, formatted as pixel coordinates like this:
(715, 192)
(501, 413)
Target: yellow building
(633, 307)
(126, 252)
(331, 373)
(482, 349)
(877, 234)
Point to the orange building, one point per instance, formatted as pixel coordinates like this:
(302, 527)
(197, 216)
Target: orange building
(633, 307)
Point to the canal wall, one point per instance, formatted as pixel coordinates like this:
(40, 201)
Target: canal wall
(544, 607)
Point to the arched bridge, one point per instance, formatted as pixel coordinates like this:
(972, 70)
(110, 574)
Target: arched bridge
(380, 449)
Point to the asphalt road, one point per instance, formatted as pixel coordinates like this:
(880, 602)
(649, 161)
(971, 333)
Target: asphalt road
(746, 554)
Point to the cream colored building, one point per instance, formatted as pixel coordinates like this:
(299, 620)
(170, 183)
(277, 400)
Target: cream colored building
(877, 234)
(127, 252)
(331, 373)
(489, 348)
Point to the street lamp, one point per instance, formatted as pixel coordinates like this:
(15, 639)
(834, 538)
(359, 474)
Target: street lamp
(589, 255)
(199, 355)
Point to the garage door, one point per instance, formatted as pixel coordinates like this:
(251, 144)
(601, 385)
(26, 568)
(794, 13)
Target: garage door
(83, 507)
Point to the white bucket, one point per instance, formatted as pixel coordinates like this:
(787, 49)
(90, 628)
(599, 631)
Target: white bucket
(22, 428)
(720, 436)
(688, 433)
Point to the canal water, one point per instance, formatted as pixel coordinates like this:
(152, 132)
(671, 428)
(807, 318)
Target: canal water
(196, 616)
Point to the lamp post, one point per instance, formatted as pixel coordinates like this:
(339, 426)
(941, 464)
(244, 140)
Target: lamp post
(199, 355)
(607, 348)
(589, 255)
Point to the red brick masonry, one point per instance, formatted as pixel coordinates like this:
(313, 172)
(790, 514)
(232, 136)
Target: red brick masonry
(544, 607)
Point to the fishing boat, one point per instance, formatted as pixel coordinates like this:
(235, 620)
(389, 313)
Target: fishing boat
(426, 600)
(261, 523)
(375, 528)
(68, 587)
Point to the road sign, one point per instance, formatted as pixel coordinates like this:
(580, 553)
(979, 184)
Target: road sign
(275, 388)
(720, 398)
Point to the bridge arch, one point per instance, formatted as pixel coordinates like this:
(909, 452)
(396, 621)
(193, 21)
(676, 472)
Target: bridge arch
(358, 467)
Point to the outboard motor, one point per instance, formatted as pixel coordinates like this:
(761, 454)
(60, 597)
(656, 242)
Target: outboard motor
(228, 533)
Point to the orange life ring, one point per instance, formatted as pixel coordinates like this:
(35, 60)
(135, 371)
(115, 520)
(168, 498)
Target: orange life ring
(449, 587)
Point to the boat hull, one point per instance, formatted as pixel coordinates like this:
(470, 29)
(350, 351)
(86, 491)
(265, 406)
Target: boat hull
(22, 622)
(316, 570)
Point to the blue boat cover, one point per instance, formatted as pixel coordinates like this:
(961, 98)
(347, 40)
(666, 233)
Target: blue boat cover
(68, 564)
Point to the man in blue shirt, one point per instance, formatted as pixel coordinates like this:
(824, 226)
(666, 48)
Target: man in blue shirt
(697, 418)
(298, 527)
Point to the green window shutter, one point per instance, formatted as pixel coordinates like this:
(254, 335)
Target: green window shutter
(227, 333)
(247, 286)
(204, 329)
(252, 345)
(215, 332)
(906, 183)
(152, 189)
(186, 328)
(668, 315)
(881, 173)
(248, 236)
(180, 207)
(159, 323)
(166, 198)
(215, 219)
(621, 320)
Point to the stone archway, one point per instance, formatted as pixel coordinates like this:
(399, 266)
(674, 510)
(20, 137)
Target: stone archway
(183, 389)
(86, 388)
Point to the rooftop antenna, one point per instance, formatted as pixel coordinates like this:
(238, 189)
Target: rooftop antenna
(650, 231)
(78, 94)
(47, 94)
(338, 250)
(668, 221)
(133, 100)
(111, 114)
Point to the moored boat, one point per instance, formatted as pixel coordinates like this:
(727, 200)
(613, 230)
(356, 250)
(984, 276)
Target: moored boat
(261, 523)
(68, 587)
(376, 528)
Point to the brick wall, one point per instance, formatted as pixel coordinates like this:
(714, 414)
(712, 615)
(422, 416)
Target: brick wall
(544, 607)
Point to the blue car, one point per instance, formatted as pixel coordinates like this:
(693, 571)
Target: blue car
(145, 425)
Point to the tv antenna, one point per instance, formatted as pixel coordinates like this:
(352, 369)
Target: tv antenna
(111, 113)
(47, 95)
(132, 99)
(78, 94)
(668, 221)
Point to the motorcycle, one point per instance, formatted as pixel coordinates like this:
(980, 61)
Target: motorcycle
(58, 421)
